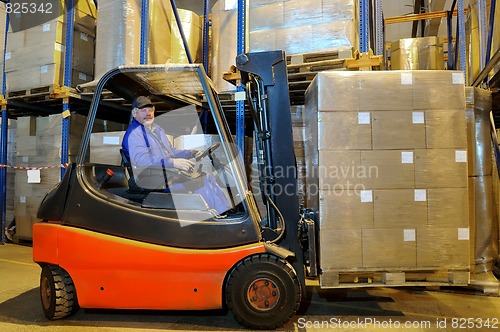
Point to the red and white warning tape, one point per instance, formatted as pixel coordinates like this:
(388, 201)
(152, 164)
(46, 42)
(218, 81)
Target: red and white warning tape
(33, 168)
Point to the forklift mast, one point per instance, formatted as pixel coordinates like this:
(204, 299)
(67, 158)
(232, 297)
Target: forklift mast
(264, 75)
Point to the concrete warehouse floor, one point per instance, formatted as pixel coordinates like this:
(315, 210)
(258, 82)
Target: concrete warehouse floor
(365, 309)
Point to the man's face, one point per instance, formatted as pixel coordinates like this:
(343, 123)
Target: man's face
(145, 116)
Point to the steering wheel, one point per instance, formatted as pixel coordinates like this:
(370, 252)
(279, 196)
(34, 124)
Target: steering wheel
(209, 150)
(177, 175)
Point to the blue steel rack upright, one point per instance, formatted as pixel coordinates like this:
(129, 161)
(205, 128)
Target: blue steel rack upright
(240, 104)
(3, 144)
(68, 69)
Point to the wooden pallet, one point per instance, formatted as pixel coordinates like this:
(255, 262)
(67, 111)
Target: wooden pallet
(303, 68)
(32, 92)
(339, 279)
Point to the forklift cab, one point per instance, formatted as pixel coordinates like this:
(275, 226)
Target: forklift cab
(152, 203)
(111, 227)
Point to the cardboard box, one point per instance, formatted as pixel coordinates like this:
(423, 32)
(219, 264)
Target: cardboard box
(35, 56)
(26, 146)
(345, 209)
(385, 91)
(344, 130)
(340, 249)
(16, 40)
(446, 129)
(440, 168)
(389, 248)
(26, 126)
(85, 15)
(398, 130)
(105, 147)
(400, 208)
(336, 91)
(442, 247)
(448, 207)
(438, 89)
(339, 170)
(266, 17)
(388, 169)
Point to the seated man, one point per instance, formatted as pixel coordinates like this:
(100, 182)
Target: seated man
(146, 144)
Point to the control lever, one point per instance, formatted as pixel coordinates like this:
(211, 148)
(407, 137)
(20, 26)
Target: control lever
(109, 173)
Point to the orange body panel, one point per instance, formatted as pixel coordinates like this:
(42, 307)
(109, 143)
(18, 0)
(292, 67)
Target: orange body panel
(112, 272)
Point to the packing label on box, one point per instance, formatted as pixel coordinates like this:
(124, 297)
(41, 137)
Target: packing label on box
(409, 235)
(364, 118)
(366, 196)
(457, 78)
(34, 176)
(461, 156)
(463, 234)
(111, 140)
(420, 195)
(407, 157)
(406, 78)
(418, 117)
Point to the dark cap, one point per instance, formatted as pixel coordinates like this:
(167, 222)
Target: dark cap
(141, 102)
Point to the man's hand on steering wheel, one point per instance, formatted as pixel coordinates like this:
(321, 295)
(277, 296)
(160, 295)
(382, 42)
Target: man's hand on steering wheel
(183, 164)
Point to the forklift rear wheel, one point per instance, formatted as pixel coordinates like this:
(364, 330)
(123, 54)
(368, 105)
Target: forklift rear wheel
(57, 293)
(263, 292)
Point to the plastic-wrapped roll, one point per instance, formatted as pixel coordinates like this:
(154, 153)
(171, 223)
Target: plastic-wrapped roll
(478, 124)
(118, 39)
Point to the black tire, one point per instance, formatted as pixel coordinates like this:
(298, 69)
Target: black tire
(263, 292)
(57, 293)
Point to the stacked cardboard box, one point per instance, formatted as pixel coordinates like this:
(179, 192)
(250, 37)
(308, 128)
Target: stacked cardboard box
(294, 26)
(39, 146)
(37, 51)
(302, 26)
(11, 160)
(297, 113)
(387, 169)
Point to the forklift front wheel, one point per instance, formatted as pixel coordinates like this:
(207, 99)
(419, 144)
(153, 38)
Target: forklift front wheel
(263, 292)
(57, 293)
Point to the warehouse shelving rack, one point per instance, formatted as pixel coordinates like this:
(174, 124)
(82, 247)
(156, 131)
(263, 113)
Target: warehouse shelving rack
(51, 104)
(67, 94)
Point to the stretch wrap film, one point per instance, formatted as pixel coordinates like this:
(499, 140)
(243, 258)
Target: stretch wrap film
(294, 26)
(386, 156)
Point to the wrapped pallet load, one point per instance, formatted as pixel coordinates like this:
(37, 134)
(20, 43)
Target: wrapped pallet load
(386, 155)
(423, 53)
(39, 141)
(294, 26)
(118, 40)
(37, 50)
(119, 33)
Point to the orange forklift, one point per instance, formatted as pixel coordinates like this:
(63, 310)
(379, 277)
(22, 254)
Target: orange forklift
(110, 227)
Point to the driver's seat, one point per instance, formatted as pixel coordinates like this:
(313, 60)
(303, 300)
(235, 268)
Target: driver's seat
(132, 185)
